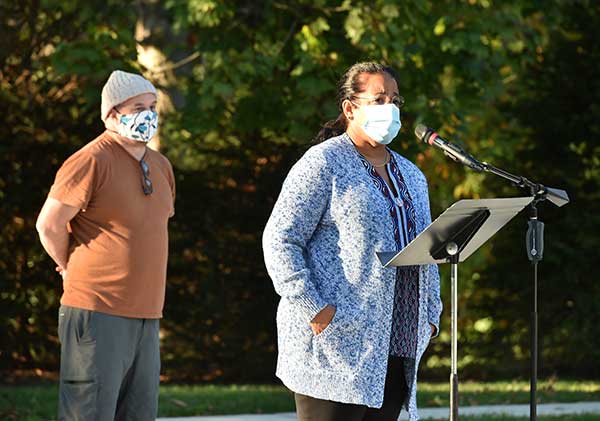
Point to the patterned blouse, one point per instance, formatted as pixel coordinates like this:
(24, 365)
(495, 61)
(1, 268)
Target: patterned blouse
(403, 338)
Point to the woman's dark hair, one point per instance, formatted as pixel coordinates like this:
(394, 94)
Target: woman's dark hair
(348, 86)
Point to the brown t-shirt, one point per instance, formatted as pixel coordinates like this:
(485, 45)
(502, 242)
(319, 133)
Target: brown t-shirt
(118, 250)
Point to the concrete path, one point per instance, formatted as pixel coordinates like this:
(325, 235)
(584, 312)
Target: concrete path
(432, 413)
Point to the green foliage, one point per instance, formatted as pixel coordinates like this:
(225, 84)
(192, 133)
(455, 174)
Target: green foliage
(556, 108)
(513, 81)
(48, 111)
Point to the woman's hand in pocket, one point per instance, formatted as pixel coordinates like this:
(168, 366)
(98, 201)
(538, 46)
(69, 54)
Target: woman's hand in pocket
(322, 319)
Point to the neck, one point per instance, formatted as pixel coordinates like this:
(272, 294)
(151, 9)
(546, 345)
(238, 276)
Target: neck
(133, 147)
(368, 148)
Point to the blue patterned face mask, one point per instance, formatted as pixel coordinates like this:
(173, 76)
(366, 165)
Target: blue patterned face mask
(140, 126)
(382, 122)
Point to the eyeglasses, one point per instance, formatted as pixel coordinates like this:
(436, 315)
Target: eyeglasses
(146, 182)
(397, 100)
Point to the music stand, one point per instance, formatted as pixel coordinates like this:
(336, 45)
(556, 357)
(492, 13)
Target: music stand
(456, 234)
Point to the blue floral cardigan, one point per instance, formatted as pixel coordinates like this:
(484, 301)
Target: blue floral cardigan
(319, 247)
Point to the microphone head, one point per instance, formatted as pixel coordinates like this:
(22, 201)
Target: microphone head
(423, 132)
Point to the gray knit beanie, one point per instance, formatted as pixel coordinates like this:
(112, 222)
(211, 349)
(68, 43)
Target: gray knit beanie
(121, 86)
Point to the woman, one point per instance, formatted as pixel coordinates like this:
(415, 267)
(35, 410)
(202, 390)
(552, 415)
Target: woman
(351, 332)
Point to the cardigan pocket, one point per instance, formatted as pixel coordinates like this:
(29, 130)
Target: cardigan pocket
(339, 344)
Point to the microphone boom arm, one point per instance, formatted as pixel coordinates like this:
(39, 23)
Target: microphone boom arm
(556, 196)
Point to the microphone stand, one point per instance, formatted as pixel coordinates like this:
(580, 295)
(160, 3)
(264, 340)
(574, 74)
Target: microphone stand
(534, 240)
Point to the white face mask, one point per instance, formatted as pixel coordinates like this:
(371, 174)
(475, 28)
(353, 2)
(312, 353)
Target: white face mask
(140, 126)
(382, 122)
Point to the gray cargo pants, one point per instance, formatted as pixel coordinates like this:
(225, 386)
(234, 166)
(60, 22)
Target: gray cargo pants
(109, 367)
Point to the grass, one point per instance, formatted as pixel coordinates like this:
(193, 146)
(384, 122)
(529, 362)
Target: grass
(38, 402)
(213, 400)
(510, 392)
(584, 417)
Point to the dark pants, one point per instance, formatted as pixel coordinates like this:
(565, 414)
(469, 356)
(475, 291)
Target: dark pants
(313, 409)
(109, 367)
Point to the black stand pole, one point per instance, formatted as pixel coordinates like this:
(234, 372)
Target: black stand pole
(534, 242)
(534, 353)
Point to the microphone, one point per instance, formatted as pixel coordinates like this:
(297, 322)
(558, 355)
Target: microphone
(454, 152)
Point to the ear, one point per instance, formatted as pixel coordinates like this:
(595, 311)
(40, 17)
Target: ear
(348, 109)
(115, 114)
(111, 121)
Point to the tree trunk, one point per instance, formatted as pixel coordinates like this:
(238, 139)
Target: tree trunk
(153, 33)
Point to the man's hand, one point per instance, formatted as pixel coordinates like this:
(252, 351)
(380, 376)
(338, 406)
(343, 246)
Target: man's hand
(432, 329)
(322, 319)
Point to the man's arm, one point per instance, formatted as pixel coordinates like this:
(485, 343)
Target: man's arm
(52, 228)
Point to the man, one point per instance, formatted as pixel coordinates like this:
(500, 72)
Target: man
(104, 223)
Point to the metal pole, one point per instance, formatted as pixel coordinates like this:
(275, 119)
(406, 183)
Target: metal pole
(534, 349)
(535, 252)
(452, 250)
